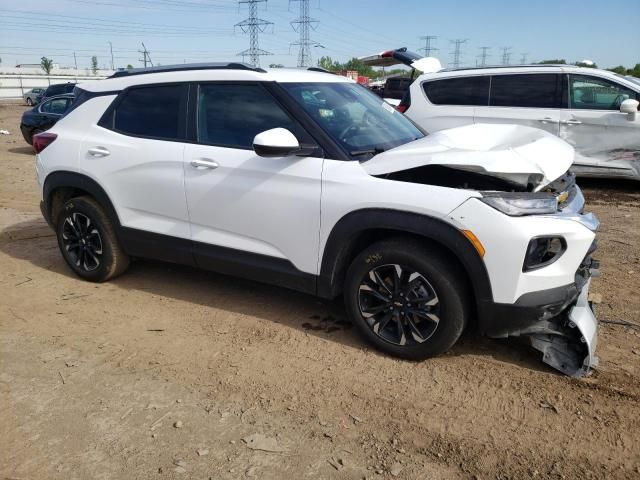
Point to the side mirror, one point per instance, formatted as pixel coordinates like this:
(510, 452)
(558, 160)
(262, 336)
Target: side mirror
(277, 142)
(630, 107)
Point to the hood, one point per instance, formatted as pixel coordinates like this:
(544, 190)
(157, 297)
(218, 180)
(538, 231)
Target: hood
(518, 154)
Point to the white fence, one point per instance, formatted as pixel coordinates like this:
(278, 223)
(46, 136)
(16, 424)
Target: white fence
(15, 82)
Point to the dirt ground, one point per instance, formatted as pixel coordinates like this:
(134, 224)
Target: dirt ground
(169, 372)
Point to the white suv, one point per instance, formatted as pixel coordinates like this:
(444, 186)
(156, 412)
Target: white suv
(309, 181)
(596, 111)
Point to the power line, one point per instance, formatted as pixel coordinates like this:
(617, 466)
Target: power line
(457, 51)
(506, 55)
(484, 55)
(523, 58)
(428, 45)
(303, 25)
(111, 51)
(146, 58)
(254, 26)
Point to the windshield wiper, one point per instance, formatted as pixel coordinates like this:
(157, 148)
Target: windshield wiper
(371, 151)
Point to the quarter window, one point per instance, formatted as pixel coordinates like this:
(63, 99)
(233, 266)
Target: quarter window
(232, 115)
(592, 93)
(540, 90)
(153, 112)
(459, 91)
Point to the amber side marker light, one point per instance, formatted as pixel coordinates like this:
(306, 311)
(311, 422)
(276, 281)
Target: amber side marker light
(474, 240)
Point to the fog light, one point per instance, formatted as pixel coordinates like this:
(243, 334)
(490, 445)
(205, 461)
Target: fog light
(543, 251)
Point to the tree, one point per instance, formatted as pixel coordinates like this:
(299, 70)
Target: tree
(619, 69)
(94, 64)
(276, 65)
(329, 64)
(46, 64)
(586, 64)
(129, 66)
(551, 62)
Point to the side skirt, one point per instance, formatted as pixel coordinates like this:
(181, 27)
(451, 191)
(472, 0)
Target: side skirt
(228, 261)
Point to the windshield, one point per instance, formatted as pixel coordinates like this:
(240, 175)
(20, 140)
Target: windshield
(357, 119)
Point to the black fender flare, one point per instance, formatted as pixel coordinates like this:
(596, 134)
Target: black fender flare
(66, 179)
(348, 229)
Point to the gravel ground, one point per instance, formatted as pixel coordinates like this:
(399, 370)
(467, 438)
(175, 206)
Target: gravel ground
(169, 372)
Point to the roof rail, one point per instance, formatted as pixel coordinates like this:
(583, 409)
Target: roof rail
(510, 66)
(320, 69)
(188, 66)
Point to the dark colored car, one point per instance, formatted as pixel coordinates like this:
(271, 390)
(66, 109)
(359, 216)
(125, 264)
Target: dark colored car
(55, 90)
(44, 115)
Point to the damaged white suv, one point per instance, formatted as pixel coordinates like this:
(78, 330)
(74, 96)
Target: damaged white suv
(307, 180)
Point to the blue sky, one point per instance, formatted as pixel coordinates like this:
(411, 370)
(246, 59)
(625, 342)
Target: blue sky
(174, 31)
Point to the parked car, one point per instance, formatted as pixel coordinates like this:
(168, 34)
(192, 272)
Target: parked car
(309, 181)
(594, 110)
(54, 90)
(30, 97)
(44, 116)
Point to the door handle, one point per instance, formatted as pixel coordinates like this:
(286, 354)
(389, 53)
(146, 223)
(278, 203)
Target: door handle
(203, 163)
(546, 120)
(98, 152)
(571, 122)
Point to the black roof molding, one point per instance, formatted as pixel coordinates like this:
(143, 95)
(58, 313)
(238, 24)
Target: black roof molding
(186, 67)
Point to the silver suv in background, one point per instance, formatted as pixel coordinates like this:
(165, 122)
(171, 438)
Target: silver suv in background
(593, 110)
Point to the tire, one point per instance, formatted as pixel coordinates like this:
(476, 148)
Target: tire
(29, 101)
(402, 279)
(88, 242)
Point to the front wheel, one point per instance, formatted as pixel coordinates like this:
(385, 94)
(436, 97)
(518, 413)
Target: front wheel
(406, 300)
(88, 242)
(29, 102)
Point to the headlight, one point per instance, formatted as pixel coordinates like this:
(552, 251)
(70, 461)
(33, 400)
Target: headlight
(519, 204)
(543, 251)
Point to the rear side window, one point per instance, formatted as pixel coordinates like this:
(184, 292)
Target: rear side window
(540, 90)
(396, 87)
(152, 112)
(458, 91)
(57, 106)
(232, 115)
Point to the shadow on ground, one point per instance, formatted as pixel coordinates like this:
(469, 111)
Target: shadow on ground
(34, 242)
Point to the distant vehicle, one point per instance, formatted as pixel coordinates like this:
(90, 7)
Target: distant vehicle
(30, 97)
(44, 116)
(54, 90)
(596, 111)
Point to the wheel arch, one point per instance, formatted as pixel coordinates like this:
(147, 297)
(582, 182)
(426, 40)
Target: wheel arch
(357, 230)
(60, 186)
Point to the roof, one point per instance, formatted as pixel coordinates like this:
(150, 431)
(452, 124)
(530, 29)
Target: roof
(203, 72)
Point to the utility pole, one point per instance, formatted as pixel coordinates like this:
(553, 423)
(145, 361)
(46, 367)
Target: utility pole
(523, 59)
(253, 26)
(428, 45)
(146, 56)
(483, 56)
(111, 50)
(457, 51)
(75, 61)
(303, 25)
(506, 55)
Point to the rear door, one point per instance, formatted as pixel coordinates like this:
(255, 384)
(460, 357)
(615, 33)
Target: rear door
(450, 102)
(531, 99)
(136, 153)
(606, 141)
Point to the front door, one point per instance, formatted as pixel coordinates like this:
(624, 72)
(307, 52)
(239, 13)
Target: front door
(607, 143)
(250, 215)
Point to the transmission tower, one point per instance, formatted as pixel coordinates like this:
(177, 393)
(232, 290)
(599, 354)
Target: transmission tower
(457, 52)
(523, 59)
(506, 55)
(483, 56)
(146, 56)
(428, 45)
(303, 25)
(253, 26)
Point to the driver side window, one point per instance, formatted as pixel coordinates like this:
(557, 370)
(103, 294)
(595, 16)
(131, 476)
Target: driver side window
(593, 93)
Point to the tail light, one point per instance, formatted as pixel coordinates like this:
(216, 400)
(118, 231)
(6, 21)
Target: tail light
(402, 108)
(405, 103)
(43, 140)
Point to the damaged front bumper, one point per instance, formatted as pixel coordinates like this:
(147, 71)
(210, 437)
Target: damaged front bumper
(558, 322)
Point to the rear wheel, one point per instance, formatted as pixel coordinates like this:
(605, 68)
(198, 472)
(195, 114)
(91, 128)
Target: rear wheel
(29, 101)
(406, 300)
(88, 242)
